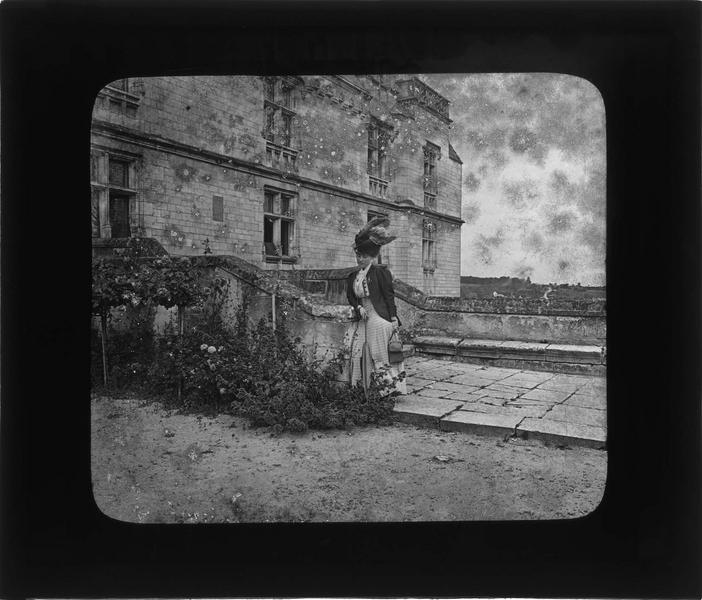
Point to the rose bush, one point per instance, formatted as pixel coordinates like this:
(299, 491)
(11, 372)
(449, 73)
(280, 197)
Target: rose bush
(257, 372)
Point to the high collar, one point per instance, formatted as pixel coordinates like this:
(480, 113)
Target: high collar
(357, 269)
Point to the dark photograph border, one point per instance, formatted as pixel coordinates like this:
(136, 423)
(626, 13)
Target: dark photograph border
(643, 539)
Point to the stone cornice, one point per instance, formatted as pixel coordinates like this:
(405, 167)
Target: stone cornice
(153, 142)
(351, 86)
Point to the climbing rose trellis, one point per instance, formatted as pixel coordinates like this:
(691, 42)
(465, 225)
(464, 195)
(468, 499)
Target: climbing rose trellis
(126, 281)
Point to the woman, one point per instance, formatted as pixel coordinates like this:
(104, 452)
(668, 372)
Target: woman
(370, 292)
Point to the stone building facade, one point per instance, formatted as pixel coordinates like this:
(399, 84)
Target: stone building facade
(281, 171)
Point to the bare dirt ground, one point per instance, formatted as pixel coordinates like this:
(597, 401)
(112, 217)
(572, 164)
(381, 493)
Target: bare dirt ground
(152, 465)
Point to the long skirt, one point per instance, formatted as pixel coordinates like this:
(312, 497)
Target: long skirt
(379, 332)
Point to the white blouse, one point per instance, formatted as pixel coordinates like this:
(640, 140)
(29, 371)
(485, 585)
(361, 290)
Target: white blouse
(360, 284)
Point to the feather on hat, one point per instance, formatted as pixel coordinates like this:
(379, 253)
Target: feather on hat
(375, 231)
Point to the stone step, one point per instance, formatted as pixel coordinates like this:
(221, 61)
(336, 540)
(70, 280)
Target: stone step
(454, 415)
(566, 358)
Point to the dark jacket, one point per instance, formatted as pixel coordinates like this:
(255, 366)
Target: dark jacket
(382, 294)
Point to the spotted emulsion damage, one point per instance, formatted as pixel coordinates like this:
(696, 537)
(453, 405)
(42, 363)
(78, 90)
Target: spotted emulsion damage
(533, 151)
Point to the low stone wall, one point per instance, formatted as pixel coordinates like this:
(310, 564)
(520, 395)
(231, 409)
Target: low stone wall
(326, 327)
(502, 326)
(520, 319)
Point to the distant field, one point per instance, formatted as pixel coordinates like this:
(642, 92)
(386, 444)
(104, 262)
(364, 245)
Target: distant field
(488, 287)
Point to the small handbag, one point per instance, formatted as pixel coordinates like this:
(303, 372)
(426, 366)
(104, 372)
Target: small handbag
(395, 354)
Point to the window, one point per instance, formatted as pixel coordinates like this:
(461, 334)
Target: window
(429, 201)
(431, 155)
(119, 173)
(113, 195)
(119, 215)
(378, 146)
(217, 208)
(278, 113)
(119, 96)
(428, 246)
(278, 226)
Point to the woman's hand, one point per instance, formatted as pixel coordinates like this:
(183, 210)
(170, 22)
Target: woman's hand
(362, 312)
(395, 324)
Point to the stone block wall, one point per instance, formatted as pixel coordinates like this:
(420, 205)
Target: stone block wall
(563, 329)
(193, 138)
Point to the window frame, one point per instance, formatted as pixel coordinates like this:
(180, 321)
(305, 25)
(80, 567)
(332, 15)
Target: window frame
(120, 99)
(378, 144)
(102, 191)
(429, 259)
(432, 154)
(274, 214)
(278, 116)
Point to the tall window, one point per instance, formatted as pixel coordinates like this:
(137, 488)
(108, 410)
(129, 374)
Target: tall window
(119, 200)
(113, 197)
(431, 154)
(378, 146)
(278, 111)
(428, 246)
(279, 225)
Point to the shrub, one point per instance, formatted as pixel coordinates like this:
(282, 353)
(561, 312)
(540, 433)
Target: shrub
(256, 372)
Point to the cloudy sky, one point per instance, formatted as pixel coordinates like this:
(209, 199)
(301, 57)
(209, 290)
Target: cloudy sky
(533, 151)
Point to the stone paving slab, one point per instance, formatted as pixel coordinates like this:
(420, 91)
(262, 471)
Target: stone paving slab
(448, 386)
(530, 411)
(545, 395)
(577, 414)
(420, 382)
(488, 399)
(559, 432)
(525, 402)
(495, 392)
(531, 377)
(431, 393)
(497, 372)
(423, 411)
(560, 386)
(466, 395)
(508, 389)
(503, 401)
(471, 379)
(593, 388)
(598, 402)
(481, 423)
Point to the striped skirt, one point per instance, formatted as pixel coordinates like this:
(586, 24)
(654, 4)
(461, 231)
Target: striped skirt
(379, 332)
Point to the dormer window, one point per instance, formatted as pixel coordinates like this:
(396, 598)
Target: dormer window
(278, 111)
(378, 147)
(432, 153)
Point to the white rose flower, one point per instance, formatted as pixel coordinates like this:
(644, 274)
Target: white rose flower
(212, 349)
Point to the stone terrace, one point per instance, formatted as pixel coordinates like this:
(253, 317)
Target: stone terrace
(554, 407)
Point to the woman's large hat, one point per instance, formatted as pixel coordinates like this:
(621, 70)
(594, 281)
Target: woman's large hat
(373, 235)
